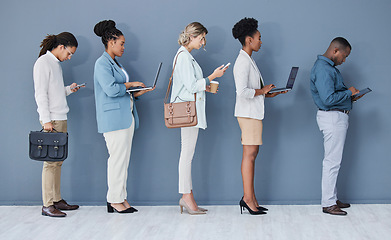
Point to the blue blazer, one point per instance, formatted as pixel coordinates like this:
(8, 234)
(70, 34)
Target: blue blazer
(113, 110)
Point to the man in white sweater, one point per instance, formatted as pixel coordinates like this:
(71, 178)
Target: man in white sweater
(50, 95)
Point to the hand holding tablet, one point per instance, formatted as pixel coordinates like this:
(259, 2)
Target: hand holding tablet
(361, 93)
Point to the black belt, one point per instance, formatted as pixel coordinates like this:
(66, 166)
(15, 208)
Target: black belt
(339, 110)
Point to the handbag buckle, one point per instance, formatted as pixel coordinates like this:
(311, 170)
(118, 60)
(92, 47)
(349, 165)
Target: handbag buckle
(171, 108)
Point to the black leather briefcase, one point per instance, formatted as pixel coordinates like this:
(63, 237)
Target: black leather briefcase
(48, 146)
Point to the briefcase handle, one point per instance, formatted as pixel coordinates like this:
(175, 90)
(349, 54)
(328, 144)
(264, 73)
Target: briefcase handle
(52, 131)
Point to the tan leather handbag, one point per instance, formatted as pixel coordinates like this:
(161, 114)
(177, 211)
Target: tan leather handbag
(182, 114)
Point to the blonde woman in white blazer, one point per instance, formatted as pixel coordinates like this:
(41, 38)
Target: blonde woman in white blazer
(249, 108)
(188, 80)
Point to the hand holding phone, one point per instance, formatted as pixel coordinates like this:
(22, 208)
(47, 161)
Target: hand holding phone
(226, 66)
(79, 86)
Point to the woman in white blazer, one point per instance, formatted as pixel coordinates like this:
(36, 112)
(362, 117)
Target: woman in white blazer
(188, 80)
(116, 113)
(249, 108)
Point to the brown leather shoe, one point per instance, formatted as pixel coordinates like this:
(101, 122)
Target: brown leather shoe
(51, 211)
(62, 205)
(334, 210)
(342, 205)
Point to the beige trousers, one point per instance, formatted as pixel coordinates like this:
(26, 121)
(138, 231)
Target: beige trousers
(119, 146)
(51, 173)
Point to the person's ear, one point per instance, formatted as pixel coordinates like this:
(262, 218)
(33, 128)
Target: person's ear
(110, 43)
(249, 40)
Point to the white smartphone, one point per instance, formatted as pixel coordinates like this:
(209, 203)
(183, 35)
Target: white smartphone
(81, 85)
(226, 66)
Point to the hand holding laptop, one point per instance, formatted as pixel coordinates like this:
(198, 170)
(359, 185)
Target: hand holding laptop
(141, 92)
(134, 85)
(138, 88)
(273, 94)
(290, 82)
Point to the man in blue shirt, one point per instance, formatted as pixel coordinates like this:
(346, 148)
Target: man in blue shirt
(334, 101)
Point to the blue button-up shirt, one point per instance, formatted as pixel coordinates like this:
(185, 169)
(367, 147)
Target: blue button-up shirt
(327, 87)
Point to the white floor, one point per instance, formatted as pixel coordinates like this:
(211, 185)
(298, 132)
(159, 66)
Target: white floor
(290, 222)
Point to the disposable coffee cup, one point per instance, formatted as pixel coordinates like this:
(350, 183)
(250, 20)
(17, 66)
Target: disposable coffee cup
(213, 86)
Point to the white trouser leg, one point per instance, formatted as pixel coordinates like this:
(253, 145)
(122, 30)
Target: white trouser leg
(119, 146)
(189, 137)
(334, 126)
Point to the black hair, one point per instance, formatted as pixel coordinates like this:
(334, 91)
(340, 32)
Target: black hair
(107, 31)
(245, 27)
(343, 42)
(52, 41)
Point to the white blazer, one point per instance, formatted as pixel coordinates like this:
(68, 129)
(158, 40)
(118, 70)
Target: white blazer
(248, 78)
(187, 80)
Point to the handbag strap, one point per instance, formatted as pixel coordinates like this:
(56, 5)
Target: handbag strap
(170, 82)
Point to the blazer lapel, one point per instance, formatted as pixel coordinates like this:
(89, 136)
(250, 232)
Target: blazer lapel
(254, 66)
(115, 66)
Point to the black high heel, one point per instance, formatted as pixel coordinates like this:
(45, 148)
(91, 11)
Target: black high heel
(262, 208)
(132, 209)
(243, 205)
(111, 209)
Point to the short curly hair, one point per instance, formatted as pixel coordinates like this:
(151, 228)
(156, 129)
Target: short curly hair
(245, 27)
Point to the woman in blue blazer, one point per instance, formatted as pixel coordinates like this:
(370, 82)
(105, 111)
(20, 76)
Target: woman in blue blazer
(116, 113)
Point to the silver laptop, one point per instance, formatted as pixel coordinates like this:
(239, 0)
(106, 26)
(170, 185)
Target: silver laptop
(289, 84)
(135, 89)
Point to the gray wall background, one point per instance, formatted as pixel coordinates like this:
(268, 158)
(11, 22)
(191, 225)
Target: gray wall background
(288, 168)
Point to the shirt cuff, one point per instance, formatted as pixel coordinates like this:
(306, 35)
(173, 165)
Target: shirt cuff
(45, 120)
(68, 90)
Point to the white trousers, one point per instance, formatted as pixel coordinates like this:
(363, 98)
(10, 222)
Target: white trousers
(334, 126)
(189, 137)
(119, 146)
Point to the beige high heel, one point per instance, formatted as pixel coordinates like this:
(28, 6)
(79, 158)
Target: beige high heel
(202, 209)
(182, 204)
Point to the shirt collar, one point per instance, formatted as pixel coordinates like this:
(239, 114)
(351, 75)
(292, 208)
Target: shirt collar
(321, 57)
(52, 56)
(184, 49)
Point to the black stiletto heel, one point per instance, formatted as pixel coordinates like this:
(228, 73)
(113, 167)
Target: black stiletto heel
(262, 208)
(243, 205)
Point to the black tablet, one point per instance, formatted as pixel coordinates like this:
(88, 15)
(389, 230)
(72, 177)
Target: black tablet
(362, 92)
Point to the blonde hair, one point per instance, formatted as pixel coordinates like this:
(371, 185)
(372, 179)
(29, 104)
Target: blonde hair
(193, 29)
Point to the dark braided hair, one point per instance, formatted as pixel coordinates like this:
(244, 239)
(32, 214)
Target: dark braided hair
(52, 41)
(107, 31)
(245, 27)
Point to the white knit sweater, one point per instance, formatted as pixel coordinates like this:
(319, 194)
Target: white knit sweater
(50, 93)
